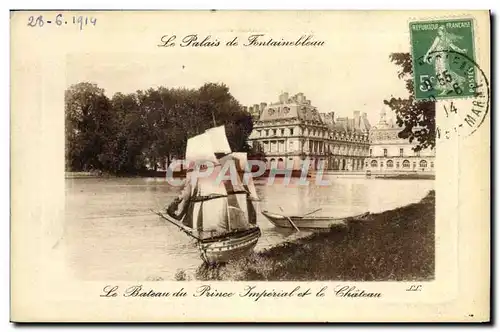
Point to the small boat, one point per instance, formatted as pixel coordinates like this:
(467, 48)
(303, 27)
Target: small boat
(220, 214)
(303, 222)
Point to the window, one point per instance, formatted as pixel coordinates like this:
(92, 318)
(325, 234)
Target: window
(406, 164)
(291, 131)
(390, 164)
(259, 133)
(401, 152)
(373, 163)
(423, 163)
(385, 152)
(267, 132)
(381, 164)
(282, 132)
(397, 165)
(432, 164)
(371, 152)
(274, 132)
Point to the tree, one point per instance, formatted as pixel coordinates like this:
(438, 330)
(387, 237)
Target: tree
(146, 128)
(219, 106)
(88, 118)
(416, 117)
(123, 152)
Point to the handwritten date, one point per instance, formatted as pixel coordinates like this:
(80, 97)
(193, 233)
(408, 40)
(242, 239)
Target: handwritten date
(60, 20)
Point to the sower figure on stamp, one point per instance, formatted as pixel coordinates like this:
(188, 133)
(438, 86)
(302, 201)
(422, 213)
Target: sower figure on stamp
(444, 41)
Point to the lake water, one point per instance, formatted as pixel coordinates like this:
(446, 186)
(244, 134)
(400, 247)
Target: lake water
(111, 234)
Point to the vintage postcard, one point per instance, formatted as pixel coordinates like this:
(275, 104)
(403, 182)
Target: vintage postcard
(250, 166)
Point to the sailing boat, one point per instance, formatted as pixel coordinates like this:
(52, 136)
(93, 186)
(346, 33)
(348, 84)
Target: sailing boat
(220, 215)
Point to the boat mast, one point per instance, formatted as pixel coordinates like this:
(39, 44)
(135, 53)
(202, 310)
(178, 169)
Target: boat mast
(213, 117)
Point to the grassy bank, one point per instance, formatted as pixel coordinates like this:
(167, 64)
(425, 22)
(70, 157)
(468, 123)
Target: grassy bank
(393, 245)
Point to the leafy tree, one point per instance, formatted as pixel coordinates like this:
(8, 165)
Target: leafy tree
(218, 106)
(147, 128)
(416, 117)
(88, 117)
(123, 153)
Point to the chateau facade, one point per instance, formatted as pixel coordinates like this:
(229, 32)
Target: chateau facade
(390, 154)
(291, 130)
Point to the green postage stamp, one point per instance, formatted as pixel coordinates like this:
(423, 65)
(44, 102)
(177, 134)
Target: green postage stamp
(442, 53)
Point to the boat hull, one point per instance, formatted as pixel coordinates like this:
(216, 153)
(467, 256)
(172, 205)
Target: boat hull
(230, 247)
(308, 223)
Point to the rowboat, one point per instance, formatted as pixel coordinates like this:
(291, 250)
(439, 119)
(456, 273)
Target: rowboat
(302, 222)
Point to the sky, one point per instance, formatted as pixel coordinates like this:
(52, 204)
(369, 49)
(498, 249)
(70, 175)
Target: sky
(351, 72)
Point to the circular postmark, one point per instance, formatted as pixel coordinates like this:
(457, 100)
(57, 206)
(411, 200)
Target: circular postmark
(460, 90)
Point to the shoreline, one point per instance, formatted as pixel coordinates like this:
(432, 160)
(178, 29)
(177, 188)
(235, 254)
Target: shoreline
(180, 175)
(395, 245)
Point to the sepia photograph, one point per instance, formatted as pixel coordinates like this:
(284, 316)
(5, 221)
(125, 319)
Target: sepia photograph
(307, 202)
(307, 157)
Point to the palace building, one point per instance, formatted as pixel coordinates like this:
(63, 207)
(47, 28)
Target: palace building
(290, 130)
(390, 154)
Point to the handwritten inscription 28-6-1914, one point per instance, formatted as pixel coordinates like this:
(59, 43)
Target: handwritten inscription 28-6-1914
(252, 292)
(60, 20)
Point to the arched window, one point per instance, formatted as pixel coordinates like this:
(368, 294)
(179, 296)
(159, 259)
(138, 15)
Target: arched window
(423, 163)
(390, 164)
(280, 163)
(272, 163)
(406, 164)
(373, 163)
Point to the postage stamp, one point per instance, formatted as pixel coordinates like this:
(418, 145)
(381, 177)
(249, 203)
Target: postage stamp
(182, 182)
(436, 75)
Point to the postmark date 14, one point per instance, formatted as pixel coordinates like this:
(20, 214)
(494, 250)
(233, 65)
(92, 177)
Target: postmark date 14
(80, 21)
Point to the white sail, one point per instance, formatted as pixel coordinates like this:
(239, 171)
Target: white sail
(199, 149)
(219, 206)
(206, 212)
(218, 139)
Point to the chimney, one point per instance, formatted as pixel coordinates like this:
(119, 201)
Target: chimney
(250, 109)
(262, 106)
(300, 97)
(285, 97)
(255, 107)
(356, 120)
(364, 115)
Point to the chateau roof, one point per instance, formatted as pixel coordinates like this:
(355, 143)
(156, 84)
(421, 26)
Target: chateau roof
(280, 111)
(298, 107)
